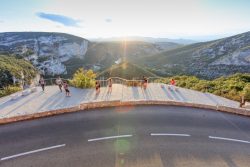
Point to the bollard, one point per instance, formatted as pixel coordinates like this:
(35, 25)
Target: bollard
(242, 102)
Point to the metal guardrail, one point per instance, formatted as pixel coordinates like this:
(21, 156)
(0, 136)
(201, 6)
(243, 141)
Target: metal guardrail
(115, 80)
(51, 81)
(126, 82)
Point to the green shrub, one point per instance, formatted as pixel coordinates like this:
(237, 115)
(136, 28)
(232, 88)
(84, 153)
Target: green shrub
(9, 90)
(83, 79)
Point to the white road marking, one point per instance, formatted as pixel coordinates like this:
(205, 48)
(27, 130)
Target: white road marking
(169, 134)
(229, 139)
(31, 152)
(110, 137)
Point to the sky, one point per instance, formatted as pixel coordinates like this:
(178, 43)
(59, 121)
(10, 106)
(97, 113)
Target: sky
(193, 19)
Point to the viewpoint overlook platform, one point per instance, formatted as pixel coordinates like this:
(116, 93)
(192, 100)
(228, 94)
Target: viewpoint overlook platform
(38, 103)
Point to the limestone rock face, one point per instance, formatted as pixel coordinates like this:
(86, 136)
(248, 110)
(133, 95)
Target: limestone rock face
(46, 51)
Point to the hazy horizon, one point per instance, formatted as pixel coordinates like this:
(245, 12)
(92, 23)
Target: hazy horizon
(189, 38)
(199, 20)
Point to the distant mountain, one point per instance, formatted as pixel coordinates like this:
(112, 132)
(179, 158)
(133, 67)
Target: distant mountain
(126, 70)
(59, 53)
(105, 54)
(146, 39)
(207, 59)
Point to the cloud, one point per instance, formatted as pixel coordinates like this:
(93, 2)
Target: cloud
(108, 20)
(66, 21)
(1, 21)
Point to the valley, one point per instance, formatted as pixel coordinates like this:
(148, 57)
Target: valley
(62, 54)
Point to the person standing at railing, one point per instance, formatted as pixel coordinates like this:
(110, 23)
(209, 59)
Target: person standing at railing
(172, 82)
(109, 85)
(42, 83)
(97, 87)
(145, 82)
(59, 83)
(66, 88)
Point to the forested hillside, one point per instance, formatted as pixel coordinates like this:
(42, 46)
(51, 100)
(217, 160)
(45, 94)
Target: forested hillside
(10, 67)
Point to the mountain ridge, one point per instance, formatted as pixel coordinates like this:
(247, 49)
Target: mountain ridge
(181, 41)
(205, 59)
(45, 50)
(62, 54)
(126, 70)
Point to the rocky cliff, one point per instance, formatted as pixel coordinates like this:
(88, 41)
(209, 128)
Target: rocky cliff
(46, 51)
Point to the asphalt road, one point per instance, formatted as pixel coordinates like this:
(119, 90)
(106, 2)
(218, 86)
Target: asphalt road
(141, 136)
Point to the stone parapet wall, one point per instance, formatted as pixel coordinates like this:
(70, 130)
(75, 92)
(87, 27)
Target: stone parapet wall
(117, 103)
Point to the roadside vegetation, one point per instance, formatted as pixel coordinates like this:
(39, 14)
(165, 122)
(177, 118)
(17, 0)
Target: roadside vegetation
(231, 87)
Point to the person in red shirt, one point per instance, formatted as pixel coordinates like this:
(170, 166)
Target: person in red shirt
(172, 82)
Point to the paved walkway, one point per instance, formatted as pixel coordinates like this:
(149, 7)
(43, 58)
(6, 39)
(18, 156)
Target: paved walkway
(52, 98)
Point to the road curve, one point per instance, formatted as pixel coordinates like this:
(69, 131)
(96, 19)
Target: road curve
(154, 136)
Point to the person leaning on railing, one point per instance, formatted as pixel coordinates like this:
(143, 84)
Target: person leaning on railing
(109, 85)
(97, 87)
(145, 82)
(172, 82)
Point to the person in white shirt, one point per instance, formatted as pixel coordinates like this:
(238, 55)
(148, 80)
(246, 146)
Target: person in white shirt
(59, 83)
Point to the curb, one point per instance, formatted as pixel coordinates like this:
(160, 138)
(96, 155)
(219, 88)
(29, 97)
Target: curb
(117, 103)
